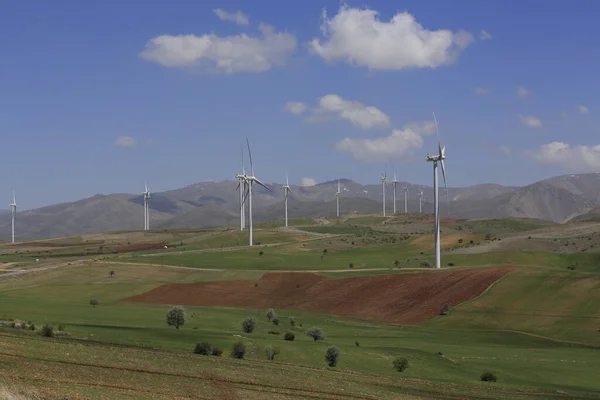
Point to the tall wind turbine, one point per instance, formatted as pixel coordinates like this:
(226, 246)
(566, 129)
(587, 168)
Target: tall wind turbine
(421, 201)
(250, 180)
(383, 182)
(286, 190)
(242, 189)
(394, 182)
(146, 195)
(405, 198)
(439, 158)
(337, 198)
(13, 213)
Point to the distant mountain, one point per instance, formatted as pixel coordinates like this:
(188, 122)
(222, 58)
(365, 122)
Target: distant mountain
(558, 199)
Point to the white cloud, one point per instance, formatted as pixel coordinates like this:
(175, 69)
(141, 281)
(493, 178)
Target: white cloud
(358, 37)
(484, 35)
(333, 106)
(295, 107)
(572, 158)
(308, 182)
(125, 141)
(229, 54)
(583, 109)
(480, 90)
(399, 145)
(238, 17)
(530, 121)
(522, 92)
(505, 150)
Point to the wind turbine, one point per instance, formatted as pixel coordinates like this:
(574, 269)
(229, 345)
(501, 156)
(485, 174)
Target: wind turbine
(146, 195)
(394, 182)
(286, 189)
(405, 198)
(337, 198)
(242, 189)
(250, 180)
(383, 181)
(421, 201)
(439, 158)
(13, 212)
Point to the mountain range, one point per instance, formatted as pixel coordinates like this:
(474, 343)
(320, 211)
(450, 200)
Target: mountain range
(205, 204)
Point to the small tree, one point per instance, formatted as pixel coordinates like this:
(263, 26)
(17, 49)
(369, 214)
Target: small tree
(445, 310)
(94, 303)
(350, 265)
(292, 321)
(260, 253)
(239, 350)
(176, 317)
(488, 377)
(203, 348)
(396, 263)
(111, 274)
(47, 330)
(248, 324)
(400, 364)
(275, 321)
(271, 352)
(316, 334)
(270, 314)
(289, 336)
(332, 354)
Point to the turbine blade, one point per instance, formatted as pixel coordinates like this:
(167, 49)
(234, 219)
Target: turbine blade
(287, 182)
(238, 186)
(246, 194)
(262, 184)
(250, 156)
(444, 173)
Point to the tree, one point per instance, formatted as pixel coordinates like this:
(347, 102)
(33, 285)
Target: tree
(292, 321)
(271, 352)
(332, 354)
(248, 324)
(260, 253)
(396, 263)
(111, 274)
(400, 364)
(270, 314)
(316, 334)
(94, 303)
(176, 317)
(445, 310)
(488, 377)
(204, 349)
(238, 350)
(275, 321)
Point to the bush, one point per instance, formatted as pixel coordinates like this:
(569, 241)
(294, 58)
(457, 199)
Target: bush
(292, 321)
(316, 334)
(425, 265)
(217, 351)
(204, 349)
(239, 350)
(356, 343)
(270, 314)
(289, 336)
(396, 263)
(176, 317)
(400, 364)
(445, 310)
(332, 354)
(61, 328)
(260, 253)
(94, 303)
(271, 352)
(248, 324)
(47, 330)
(460, 240)
(350, 265)
(488, 377)
(275, 321)
(32, 326)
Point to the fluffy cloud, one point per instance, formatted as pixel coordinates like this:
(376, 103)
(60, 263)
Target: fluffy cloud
(530, 121)
(484, 35)
(333, 106)
(480, 90)
(238, 17)
(308, 182)
(295, 107)
(125, 141)
(522, 92)
(229, 54)
(399, 145)
(572, 158)
(358, 37)
(583, 109)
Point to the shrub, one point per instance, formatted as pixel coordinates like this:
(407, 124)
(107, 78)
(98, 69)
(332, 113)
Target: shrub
(488, 377)
(400, 364)
(239, 350)
(350, 265)
(292, 321)
(460, 240)
(396, 263)
(217, 351)
(316, 334)
(332, 354)
(248, 324)
(61, 327)
(47, 330)
(488, 236)
(32, 326)
(111, 274)
(203, 348)
(325, 250)
(270, 314)
(94, 303)
(176, 317)
(445, 309)
(289, 336)
(260, 253)
(271, 352)
(275, 321)
(425, 264)
(356, 343)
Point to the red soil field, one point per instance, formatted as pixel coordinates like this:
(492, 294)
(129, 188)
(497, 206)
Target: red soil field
(404, 299)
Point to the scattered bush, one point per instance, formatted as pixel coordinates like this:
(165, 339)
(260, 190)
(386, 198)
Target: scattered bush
(396, 263)
(445, 309)
(256, 285)
(332, 354)
(297, 286)
(325, 250)
(248, 324)
(239, 350)
(111, 274)
(94, 303)
(316, 334)
(217, 351)
(488, 377)
(31, 326)
(292, 321)
(270, 314)
(61, 328)
(425, 264)
(271, 352)
(275, 321)
(450, 264)
(356, 343)
(440, 354)
(176, 317)
(289, 336)
(488, 236)
(350, 265)
(400, 364)
(260, 253)
(460, 240)
(47, 330)
(204, 349)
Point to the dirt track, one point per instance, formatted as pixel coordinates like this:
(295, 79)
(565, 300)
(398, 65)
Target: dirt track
(400, 299)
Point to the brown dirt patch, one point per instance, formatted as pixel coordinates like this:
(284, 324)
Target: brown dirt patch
(400, 298)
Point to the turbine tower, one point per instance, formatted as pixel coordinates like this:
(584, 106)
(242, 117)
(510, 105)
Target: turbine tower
(241, 187)
(383, 181)
(250, 180)
(146, 195)
(439, 158)
(286, 190)
(13, 213)
(394, 182)
(405, 198)
(337, 198)
(421, 201)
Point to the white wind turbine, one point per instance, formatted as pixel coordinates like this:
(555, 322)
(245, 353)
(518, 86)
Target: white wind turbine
(383, 182)
(13, 213)
(405, 198)
(439, 158)
(421, 201)
(286, 189)
(250, 180)
(337, 198)
(242, 189)
(146, 195)
(394, 182)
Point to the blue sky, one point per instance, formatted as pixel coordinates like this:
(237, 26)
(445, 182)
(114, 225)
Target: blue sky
(75, 76)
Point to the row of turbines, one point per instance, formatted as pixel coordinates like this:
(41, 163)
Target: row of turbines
(405, 189)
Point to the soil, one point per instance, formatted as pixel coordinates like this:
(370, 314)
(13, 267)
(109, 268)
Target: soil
(404, 299)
